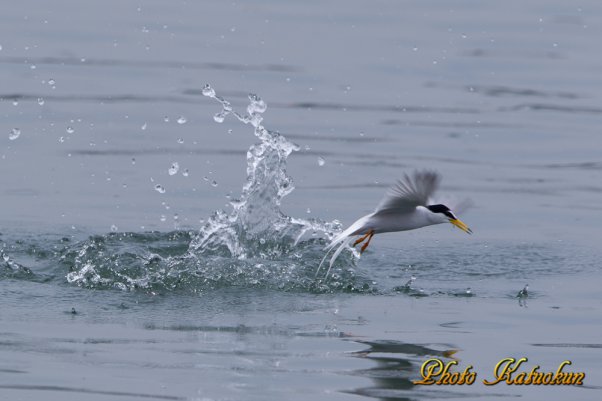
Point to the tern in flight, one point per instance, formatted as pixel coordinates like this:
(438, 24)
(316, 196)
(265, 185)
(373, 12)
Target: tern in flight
(407, 205)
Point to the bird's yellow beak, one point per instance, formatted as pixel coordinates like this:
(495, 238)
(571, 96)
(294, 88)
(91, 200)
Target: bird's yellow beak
(460, 224)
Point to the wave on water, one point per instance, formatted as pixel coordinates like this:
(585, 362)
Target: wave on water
(252, 244)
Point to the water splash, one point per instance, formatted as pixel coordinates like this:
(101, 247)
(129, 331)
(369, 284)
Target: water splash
(173, 170)
(256, 218)
(14, 134)
(252, 244)
(161, 262)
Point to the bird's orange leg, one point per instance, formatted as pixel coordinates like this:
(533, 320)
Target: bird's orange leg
(370, 235)
(362, 238)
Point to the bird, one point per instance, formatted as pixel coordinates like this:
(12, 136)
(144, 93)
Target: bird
(524, 293)
(408, 204)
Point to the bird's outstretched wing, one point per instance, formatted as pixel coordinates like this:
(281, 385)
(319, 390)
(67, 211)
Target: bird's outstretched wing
(410, 191)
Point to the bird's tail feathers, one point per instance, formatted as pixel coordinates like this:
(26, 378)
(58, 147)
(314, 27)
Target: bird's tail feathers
(349, 231)
(342, 240)
(336, 253)
(343, 244)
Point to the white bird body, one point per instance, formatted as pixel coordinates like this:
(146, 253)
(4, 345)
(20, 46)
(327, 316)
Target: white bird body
(408, 205)
(386, 222)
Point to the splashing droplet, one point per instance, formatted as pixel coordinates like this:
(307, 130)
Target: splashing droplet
(256, 212)
(185, 173)
(62, 139)
(219, 117)
(143, 127)
(257, 105)
(180, 140)
(321, 161)
(51, 81)
(41, 101)
(182, 120)
(214, 183)
(14, 134)
(159, 188)
(163, 218)
(70, 130)
(173, 170)
(208, 91)
(114, 228)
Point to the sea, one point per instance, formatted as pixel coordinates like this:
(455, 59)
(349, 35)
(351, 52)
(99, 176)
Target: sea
(171, 172)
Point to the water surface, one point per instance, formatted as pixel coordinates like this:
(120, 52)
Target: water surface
(113, 289)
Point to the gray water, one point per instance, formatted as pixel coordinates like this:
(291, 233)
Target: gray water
(122, 278)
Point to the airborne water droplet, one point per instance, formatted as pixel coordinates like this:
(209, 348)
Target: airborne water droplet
(214, 183)
(143, 127)
(114, 228)
(62, 139)
(174, 168)
(182, 120)
(180, 140)
(14, 134)
(41, 101)
(208, 91)
(163, 218)
(159, 188)
(133, 161)
(185, 173)
(70, 130)
(321, 161)
(51, 81)
(257, 104)
(219, 117)
(166, 119)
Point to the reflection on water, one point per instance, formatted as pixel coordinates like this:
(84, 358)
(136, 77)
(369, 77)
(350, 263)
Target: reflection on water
(397, 366)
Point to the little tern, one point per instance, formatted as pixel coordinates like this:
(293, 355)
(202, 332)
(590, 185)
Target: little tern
(407, 205)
